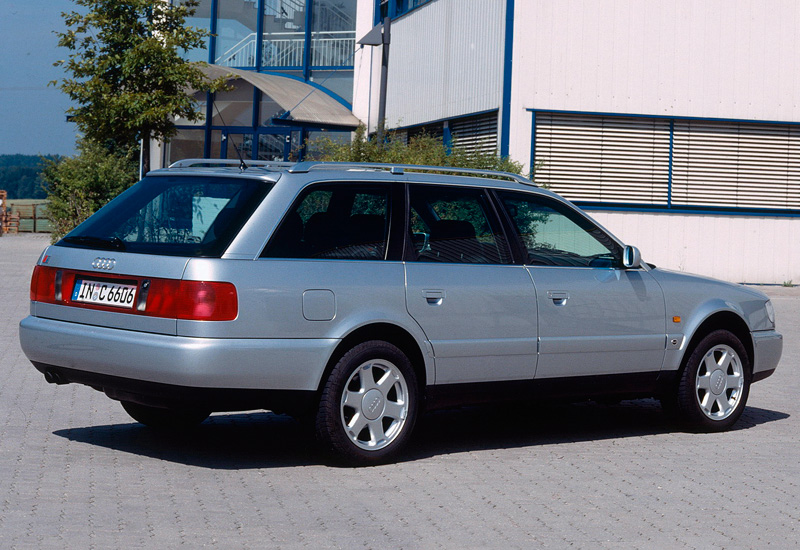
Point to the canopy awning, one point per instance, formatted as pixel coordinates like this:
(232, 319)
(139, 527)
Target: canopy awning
(304, 104)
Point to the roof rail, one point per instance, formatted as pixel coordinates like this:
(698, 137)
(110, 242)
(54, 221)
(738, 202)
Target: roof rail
(205, 163)
(399, 169)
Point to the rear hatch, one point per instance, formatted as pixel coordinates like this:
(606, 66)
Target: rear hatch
(124, 266)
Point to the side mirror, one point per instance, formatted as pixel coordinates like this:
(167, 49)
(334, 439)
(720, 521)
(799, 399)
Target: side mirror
(631, 258)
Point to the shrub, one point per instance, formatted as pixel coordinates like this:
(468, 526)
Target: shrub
(420, 149)
(78, 186)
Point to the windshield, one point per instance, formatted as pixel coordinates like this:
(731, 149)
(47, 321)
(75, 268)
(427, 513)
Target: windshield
(183, 215)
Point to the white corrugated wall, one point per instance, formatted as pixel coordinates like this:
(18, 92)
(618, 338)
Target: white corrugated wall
(445, 61)
(741, 249)
(732, 59)
(729, 59)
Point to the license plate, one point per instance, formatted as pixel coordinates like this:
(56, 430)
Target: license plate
(104, 293)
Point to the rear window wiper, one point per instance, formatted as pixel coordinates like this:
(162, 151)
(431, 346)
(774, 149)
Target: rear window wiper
(109, 243)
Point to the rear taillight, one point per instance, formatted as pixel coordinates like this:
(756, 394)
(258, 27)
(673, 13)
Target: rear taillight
(208, 301)
(192, 300)
(43, 284)
(170, 298)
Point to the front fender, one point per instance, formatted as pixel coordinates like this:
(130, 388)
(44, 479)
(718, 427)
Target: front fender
(694, 303)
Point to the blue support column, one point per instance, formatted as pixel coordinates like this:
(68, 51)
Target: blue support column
(447, 137)
(256, 117)
(256, 108)
(307, 51)
(207, 128)
(671, 149)
(505, 119)
(259, 35)
(533, 146)
(212, 48)
(301, 152)
(212, 43)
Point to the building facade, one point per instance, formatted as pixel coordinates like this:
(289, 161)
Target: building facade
(293, 63)
(675, 123)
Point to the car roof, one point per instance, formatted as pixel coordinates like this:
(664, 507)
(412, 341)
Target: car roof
(307, 172)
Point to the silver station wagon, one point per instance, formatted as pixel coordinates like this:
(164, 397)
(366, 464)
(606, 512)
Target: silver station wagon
(358, 296)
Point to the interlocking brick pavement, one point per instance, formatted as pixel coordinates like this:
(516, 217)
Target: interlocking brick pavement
(76, 472)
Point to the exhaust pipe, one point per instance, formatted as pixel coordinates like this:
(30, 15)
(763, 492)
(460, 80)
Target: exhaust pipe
(52, 377)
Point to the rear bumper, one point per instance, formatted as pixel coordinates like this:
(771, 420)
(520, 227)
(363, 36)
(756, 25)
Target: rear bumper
(768, 346)
(155, 394)
(175, 361)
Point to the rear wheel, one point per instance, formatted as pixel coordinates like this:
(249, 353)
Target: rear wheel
(715, 383)
(369, 404)
(166, 419)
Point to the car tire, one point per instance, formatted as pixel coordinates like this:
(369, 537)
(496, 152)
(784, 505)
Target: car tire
(165, 419)
(714, 384)
(369, 404)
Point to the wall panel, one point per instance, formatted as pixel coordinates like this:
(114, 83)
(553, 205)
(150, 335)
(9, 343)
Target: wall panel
(445, 61)
(730, 59)
(741, 249)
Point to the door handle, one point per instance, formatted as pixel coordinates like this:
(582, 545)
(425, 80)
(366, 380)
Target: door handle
(434, 297)
(559, 297)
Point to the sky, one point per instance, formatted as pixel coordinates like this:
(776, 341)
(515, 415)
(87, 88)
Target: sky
(32, 114)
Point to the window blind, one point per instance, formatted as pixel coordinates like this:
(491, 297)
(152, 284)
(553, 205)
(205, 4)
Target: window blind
(603, 158)
(736, 164)
(476, 133)
(626, 160)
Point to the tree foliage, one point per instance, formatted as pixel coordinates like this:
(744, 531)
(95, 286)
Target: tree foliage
(20, 176)
(420, 149)
(127, 75)
(78, 186)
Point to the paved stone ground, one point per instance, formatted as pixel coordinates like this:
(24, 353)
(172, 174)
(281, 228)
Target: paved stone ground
(76, 472)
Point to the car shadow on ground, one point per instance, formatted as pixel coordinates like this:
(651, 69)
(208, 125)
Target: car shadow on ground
(512, 426)
(267, 440)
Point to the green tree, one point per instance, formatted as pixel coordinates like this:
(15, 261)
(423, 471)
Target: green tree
(127, 75)
(420, 149)
(78, 186)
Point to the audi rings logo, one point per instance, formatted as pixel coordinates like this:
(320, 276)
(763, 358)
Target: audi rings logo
(104, 263)
(374, 405)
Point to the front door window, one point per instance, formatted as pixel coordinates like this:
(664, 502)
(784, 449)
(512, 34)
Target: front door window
(554, 235)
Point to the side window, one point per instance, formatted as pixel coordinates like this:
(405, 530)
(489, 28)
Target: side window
(455, 224)
(336, 221)
(554, 235)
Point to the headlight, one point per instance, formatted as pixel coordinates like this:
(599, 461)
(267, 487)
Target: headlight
(770, 312)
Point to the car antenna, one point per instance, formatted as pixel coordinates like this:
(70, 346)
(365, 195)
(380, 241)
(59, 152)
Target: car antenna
(242, 165)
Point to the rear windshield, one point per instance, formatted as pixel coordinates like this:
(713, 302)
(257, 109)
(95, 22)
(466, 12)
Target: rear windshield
(191, 216)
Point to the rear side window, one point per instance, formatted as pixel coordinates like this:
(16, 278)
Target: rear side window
(335, 221)
(455, 225)
(173, 216)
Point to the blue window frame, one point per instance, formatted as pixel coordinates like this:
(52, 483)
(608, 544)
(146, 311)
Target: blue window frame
(395, 8)
(300, 35)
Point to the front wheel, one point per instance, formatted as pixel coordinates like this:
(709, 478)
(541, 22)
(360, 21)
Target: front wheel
(714, 384)
(165, 419)
(369, 404)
